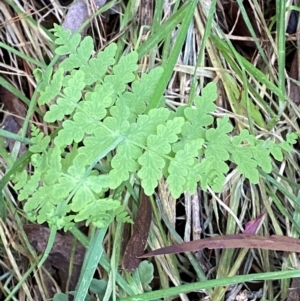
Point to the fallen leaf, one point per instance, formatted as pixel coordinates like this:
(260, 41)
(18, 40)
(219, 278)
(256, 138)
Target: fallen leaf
(136, 245)
(60, 254)
(233, 241)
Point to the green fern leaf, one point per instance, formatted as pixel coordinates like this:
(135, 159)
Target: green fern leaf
(146, 125)
(291, 138)
(151, 171)
(262, 155)
(218, 141)
(275, 150)
(123, 72)
(124, 163)
(212, 173)
(39, 140)
(142, 91)
(82, 198)
(181, 169)
(158, 145)
(204, 107)
(246, 164)
(68, 102)
(97, 67)
(96, 144)
(20, 180)
(242, 155)
(53, 88)
(63, 187)
(39, 198)
(79, 54)
(119, 122)
(30, 187)
(39, 77)
(100, 212)
(54, 167)
(193, 177)
(87, 116)
(68, 41)
(166, 134)
(198, 118)
(72, 131)
(122, 215)
(108, 135)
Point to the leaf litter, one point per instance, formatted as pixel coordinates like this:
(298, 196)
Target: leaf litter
(233, 241)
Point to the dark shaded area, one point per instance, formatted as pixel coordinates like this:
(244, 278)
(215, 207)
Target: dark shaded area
(61, 259)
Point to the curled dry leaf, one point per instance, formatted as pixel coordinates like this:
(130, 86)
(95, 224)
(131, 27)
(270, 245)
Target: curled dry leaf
(273, 242)
(137, 242)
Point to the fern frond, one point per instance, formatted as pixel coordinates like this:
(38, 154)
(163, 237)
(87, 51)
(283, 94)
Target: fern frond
(108, 135)
(67, 102)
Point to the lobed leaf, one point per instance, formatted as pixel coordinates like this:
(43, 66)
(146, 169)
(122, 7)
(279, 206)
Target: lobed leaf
(183, 169)
(124, 162)
(68, 42)
(53, 88)
(106, 128)
(142, 91)
(123, 72)
(66, 104)
(96, 68)
(151, 171)
(79, 55)
(218, 141)
(39, 140)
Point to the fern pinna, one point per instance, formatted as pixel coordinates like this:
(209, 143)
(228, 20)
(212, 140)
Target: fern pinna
(107, 137)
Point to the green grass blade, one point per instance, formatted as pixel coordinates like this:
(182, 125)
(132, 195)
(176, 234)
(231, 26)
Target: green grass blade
(49, 246)
(104, 261)
(23, 56)
(15, 137)
(173, 57)
(196, 286)
(280, 28)
(7, 85)
(252, 32)
(201, 55)
(165, 29)
(90, 264)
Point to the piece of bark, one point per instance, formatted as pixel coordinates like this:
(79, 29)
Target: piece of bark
(294, 93)
(13, 122)
(137, 242)
(13, 105)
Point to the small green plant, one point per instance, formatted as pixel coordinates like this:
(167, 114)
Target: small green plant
(107, 136)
